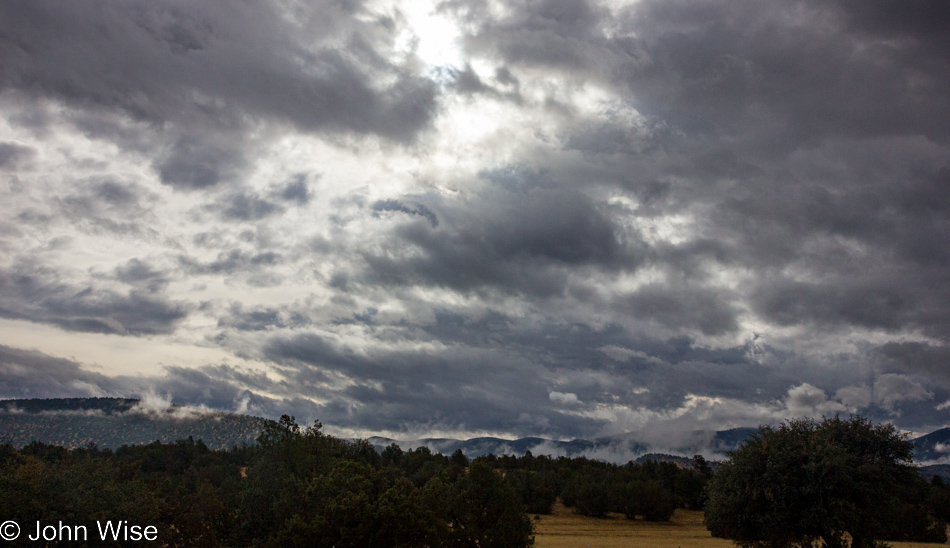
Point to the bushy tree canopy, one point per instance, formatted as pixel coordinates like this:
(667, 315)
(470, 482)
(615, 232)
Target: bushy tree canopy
(298, 487)
(807, 483)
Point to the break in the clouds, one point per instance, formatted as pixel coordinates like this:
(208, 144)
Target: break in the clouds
(552, 218)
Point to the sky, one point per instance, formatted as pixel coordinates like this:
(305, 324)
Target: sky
(555, 218)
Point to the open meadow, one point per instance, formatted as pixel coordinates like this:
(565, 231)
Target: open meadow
(565, 529)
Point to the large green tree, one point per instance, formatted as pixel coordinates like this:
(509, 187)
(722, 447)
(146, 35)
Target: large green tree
(484, 512)
(807, 484)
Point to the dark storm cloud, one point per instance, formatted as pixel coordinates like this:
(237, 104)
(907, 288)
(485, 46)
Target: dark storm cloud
(296, 190)
(256, 320)
(788, 71)
(307, 348)
(524, 239)
(147, 59)
(547, 32)
(772, 75)
(38, 294)
(509, 372)
(195, 163)
(557, 227)
(455, 388)
(11, 154)
(810, 133)
(556, 369)
(246, 207)
(917, 358)
(32, 374)
(203, 72)
(862, 231)
(684, 307)
(671, 368)
(115, 194)
(466, 81)
(104, 204)
(197, 386)
(604, 138)
(261, 318)
(792, 72)
(847, 302)
(139, 273)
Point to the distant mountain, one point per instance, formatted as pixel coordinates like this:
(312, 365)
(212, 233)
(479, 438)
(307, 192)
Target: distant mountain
(729, 440)
(602, 448)
(933, 447)
(113, 422)
(931, 470)
(621, 448)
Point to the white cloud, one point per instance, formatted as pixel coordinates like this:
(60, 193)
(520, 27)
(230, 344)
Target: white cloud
(564, 398)
(806, 400)
(152, 403)
(155, 405)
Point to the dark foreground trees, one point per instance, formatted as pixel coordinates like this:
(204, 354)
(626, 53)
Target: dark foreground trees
(297, 487)
(650, 490)
(807, 482)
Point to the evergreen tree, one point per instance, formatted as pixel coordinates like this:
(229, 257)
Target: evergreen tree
(484, 512)
(803, 482)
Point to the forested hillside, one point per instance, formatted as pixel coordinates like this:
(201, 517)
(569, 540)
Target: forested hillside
(113, 422)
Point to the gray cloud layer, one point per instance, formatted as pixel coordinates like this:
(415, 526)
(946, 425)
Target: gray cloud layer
(665, 215)
(204, 74)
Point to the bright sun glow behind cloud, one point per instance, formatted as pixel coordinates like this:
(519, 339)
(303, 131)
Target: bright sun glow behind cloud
(436, 36)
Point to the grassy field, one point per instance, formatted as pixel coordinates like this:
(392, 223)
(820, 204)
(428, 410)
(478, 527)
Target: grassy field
(564, 529)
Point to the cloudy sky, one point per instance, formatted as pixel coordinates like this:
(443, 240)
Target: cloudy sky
(560, 218)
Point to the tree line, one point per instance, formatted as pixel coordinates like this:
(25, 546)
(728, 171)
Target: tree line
(296, 487)
(650, 491)
(801, 484)
(300, 487)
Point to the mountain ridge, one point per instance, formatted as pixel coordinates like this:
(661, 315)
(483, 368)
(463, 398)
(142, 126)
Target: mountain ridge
(112, 422)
